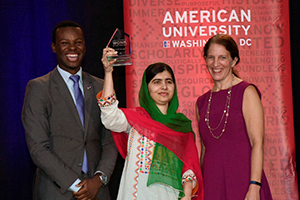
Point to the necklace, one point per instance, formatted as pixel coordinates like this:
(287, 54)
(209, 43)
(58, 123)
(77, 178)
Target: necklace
(225, 113)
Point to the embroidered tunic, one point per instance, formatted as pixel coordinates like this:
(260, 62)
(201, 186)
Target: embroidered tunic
(134, 178)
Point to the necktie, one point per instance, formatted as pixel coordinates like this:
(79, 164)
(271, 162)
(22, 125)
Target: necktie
(80, 108)
(78, 97)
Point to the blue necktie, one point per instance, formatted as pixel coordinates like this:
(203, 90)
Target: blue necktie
(80, 108)
(78, 97)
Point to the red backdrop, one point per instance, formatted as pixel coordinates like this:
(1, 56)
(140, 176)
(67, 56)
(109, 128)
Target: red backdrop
(175, 31)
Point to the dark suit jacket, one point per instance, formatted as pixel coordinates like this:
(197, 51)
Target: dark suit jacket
(56, 139)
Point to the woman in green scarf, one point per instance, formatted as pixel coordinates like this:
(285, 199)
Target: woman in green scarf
(157, 143)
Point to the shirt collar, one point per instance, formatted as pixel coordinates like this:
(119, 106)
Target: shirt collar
(66, 75)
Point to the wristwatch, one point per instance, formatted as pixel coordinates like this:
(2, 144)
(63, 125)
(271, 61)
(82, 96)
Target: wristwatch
(103, 179)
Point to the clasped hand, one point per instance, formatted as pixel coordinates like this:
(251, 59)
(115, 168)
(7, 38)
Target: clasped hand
(89, 189)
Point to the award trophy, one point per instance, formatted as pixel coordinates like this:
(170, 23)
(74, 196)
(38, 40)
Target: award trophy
(120, 42)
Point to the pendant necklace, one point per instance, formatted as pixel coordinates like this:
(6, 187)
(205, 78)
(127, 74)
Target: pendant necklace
(225, 113)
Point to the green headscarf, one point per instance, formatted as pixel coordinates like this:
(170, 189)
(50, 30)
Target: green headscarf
(166, 167)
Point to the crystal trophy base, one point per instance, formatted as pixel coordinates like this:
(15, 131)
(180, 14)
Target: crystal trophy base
(120, 60)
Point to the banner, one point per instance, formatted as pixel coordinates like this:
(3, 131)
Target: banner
(175, 32)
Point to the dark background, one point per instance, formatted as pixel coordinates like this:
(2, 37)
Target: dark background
(25, 53)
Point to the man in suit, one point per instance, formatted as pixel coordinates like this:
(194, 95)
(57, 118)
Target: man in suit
(75, 155)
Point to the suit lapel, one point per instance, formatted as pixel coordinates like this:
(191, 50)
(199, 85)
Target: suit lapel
(88, 98)
(62, 88)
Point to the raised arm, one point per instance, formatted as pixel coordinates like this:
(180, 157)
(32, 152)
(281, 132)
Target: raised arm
(108, 87)
(112, 117)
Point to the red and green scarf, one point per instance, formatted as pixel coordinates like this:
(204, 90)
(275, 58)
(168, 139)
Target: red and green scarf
(175, 150)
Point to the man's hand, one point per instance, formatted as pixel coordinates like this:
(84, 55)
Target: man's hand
(89, 189)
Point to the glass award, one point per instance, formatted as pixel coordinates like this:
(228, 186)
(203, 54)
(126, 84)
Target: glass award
(120, 42)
